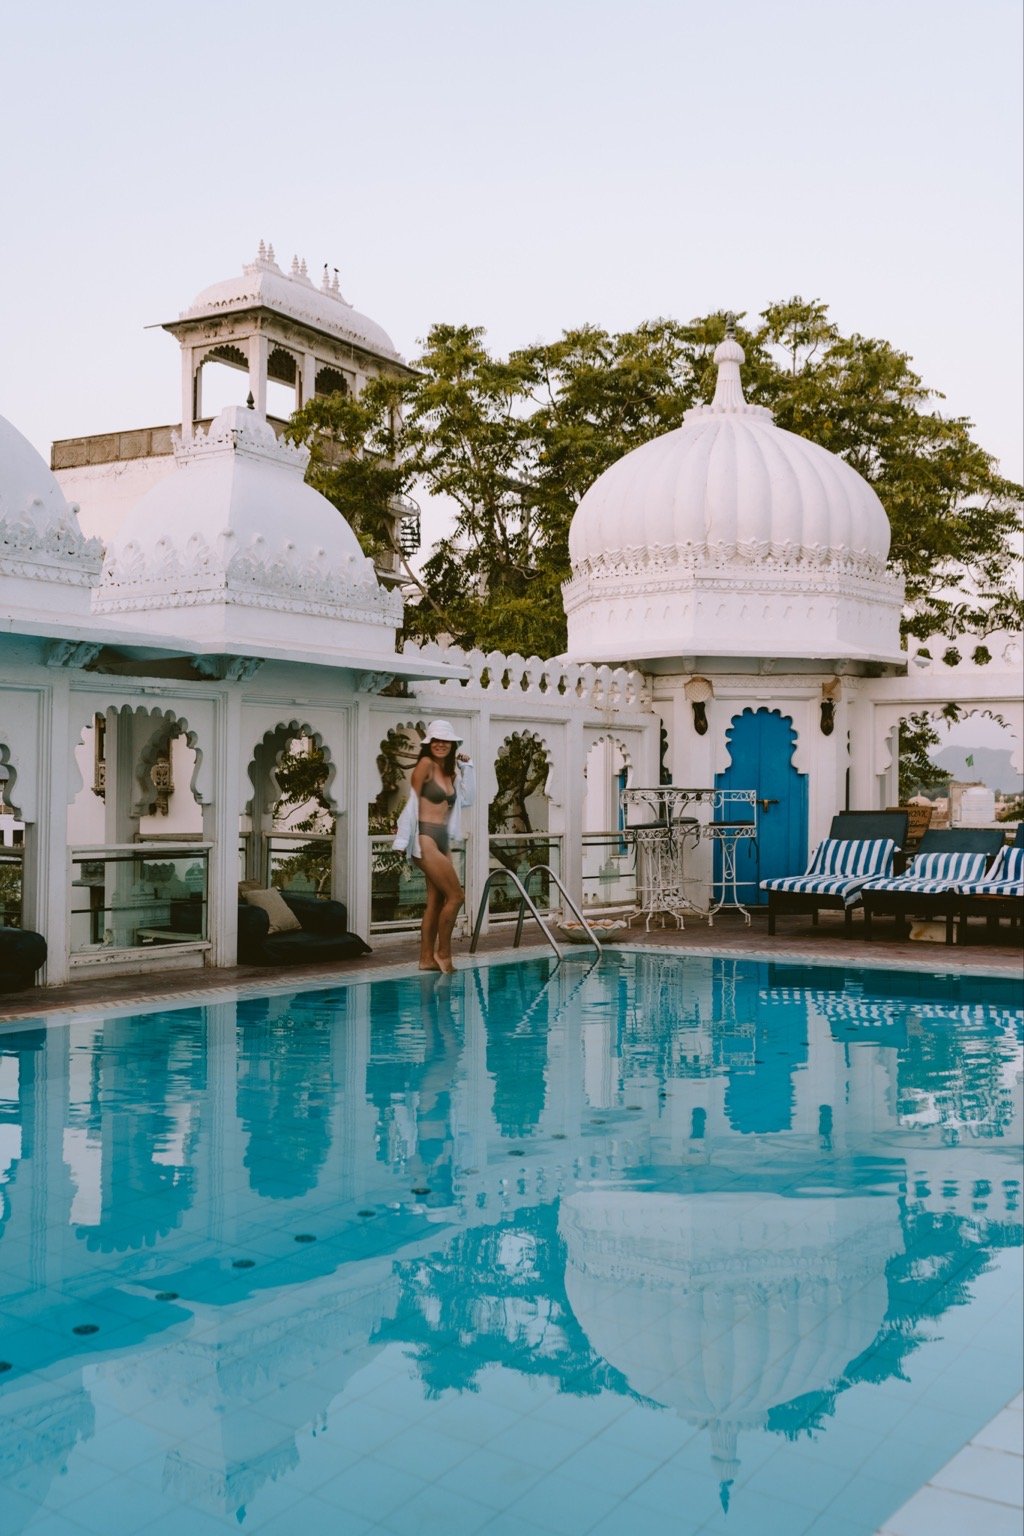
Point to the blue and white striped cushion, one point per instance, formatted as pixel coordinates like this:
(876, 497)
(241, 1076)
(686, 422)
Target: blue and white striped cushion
(992, 887)
(1009, 865)
(930, 873)
(860, 858)
(948, 868)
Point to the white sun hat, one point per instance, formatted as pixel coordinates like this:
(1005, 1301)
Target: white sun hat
(441, 730)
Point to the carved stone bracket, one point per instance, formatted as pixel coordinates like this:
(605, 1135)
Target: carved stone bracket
(73, 654)
(373, 682)
(232, 669)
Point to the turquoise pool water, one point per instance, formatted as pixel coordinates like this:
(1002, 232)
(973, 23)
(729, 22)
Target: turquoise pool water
(666, 1245)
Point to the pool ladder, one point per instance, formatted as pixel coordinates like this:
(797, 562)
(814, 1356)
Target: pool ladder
(525, 900)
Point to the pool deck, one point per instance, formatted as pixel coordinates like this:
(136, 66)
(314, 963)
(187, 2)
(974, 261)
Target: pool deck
(981, 1487)
(797, 940)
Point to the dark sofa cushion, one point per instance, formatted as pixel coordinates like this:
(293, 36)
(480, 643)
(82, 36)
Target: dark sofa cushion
(310, 948)
(318, 915)
(22, 952)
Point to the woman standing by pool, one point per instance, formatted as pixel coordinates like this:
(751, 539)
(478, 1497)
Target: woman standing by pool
(443, 782)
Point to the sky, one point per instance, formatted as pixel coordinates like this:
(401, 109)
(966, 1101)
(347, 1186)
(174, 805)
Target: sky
(526, 167)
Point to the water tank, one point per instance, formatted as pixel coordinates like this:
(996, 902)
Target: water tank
(977, 806)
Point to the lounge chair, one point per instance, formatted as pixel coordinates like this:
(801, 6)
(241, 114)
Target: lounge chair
(1000, 893)
(931, 886)
(861, 845)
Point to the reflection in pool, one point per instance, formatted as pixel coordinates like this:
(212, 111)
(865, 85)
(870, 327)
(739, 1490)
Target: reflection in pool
(666, 1244)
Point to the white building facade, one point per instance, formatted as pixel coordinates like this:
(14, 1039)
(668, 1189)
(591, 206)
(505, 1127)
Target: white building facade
(732, 623)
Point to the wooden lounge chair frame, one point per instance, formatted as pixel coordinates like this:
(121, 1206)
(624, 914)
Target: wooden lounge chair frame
(856, 826)
(936, 906)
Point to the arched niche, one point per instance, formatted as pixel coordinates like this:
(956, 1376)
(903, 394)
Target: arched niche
(607, 769)
(191, 718)
(908, 740)
(136, 771)
(398, 752)
(288, 825)
(521, 801)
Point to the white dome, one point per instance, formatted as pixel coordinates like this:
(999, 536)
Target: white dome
(40, 539)
(236, 533)
(262, 282)
(675, 547)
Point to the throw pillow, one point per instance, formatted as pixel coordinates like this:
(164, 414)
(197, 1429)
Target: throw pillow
(282, 918)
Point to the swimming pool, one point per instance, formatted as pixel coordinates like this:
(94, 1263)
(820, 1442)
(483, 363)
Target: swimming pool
(665, 1244)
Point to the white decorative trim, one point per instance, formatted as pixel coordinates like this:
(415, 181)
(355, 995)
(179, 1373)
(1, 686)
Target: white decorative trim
(51, 550)
(253, 578)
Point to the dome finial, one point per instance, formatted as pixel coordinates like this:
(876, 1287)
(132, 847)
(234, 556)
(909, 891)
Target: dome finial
(728, 357)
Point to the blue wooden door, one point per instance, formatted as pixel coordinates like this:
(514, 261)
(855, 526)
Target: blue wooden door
(761, 745)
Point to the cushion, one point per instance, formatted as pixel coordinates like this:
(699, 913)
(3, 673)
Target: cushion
(932, 873)
(846, 886)
(282, 918)
(852, 856)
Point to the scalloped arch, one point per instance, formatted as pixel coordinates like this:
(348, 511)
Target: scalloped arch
(285, 731)
(166, 722)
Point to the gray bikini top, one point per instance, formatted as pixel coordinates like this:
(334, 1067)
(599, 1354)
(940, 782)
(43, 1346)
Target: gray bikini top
(436, 795)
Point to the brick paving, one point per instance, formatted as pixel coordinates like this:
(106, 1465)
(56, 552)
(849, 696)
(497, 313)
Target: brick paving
(797, 940)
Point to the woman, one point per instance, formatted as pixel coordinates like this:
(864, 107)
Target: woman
(443, 782)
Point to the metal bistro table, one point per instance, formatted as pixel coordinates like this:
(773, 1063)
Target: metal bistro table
(681, 818)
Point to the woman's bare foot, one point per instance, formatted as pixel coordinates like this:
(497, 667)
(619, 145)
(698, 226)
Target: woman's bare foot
(435, 967)
(446, 964)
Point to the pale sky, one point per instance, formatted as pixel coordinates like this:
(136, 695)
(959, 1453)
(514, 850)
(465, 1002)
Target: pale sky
(525, 166)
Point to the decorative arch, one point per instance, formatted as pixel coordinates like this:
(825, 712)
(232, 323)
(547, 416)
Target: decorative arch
(282, 365)
(762, 748)
(164, 724)
(331, 381)
(397, 753)
(527, 749)
(10, 776)
(274, 741)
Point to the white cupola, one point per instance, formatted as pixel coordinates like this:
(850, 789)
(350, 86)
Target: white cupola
(730, 537)
(47, 565)
(234, 548)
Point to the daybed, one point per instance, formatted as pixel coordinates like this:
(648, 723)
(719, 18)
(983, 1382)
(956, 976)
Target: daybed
(320, 930)
(322, 934)
(932, 885)
(22, 952)
(999, 894)
(860, 845)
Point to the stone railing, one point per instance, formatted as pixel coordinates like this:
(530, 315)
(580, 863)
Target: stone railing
(493, 672)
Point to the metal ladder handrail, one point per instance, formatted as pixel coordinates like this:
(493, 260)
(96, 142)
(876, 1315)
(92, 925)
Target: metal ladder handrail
(545, 869)
(525, 900)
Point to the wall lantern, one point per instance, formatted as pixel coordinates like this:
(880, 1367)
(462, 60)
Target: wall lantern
(699, 690)
(830, 694)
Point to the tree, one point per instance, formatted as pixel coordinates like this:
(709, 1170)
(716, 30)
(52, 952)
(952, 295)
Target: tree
(515, 443)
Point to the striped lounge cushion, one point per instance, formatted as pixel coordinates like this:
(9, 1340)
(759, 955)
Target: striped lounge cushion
(1005, 878)
(840, 867)
(931, 873)
(857, 858)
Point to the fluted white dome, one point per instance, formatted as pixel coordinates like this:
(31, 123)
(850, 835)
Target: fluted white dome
(40, 538)
(731, 536)
(241, 547)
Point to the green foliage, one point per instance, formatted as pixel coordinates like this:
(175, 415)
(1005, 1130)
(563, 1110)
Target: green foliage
(918, 774)
(301, 777)
(1012, 811)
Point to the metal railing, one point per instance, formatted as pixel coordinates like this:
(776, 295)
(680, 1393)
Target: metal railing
(525, 900)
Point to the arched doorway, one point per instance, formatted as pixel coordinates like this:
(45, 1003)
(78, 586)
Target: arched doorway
(761, 745)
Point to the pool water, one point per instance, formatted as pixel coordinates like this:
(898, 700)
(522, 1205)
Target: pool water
(662, 1245)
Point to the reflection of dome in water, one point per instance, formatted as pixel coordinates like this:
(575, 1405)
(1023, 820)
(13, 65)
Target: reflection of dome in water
(726, 1306)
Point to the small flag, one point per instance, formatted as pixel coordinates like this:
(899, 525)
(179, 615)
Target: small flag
(970, 760)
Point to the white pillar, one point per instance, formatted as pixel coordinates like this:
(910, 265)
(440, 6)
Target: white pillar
(220, 826)
(308, 378)
(259, 350)
(189, 389)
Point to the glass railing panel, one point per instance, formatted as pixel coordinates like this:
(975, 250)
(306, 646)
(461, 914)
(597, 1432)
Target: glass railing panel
(300, 863)
(136, 896)
(609, 872)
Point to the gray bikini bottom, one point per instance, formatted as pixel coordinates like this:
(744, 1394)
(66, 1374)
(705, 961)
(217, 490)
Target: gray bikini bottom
(437, 833)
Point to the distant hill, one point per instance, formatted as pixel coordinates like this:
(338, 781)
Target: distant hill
(991, 766)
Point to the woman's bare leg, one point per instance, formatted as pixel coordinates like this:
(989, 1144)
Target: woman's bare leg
(428, 927)
(441, 876)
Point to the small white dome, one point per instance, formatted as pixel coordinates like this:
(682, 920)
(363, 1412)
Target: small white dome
(40, 538)
(236, 534)
(672, 545)
(262, 282)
